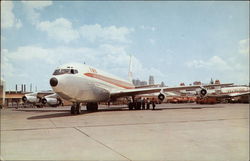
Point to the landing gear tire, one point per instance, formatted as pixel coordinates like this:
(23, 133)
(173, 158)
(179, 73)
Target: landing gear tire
(137, 106)
(130, 106)
(75, 109)
(91, 107)
(78, 109)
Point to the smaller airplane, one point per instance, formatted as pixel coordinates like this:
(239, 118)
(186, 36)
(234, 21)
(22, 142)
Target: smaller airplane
(227, 92)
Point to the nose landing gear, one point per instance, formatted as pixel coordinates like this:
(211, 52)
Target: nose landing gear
(75, 109)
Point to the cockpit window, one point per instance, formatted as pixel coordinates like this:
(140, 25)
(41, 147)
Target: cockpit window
(65, 71)
(56, 72)
(73, 71)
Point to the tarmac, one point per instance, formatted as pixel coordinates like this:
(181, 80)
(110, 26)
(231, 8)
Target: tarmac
(171, 132)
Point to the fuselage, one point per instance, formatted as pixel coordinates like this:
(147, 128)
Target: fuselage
(83, 83)
(229, 90)
(236, 89)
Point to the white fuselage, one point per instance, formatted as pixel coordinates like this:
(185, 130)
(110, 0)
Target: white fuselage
(228, 90)
(236, 89)
(86, 84)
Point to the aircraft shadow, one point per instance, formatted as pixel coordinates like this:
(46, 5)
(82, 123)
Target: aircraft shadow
(66, 113)
(34, 110)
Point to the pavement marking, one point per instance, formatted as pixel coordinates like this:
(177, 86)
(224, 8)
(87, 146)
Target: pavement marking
(53, 122)
(101, 143)
(128, 124)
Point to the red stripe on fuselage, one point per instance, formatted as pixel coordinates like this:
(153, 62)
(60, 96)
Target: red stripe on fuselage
(112, 81)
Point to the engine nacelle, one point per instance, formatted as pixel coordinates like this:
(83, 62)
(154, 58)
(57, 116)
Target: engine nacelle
(161, 96)
(51, 101)
(30, 99)
(202, 92)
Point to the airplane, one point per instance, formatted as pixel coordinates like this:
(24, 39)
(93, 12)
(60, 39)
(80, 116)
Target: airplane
(229, 92)
(80, 83)
(224, 92)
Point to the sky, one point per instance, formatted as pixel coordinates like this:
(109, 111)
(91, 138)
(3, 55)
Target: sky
(173, 41)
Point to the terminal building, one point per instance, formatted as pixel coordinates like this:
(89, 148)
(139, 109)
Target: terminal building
(2, 93)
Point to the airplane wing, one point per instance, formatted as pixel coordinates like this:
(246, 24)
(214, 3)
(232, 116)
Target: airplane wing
(44, 93)
(137, 91)
(221, 85)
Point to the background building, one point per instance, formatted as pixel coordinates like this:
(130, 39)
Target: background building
(197, 83)
(2, 93)
(138, 82)
(151, 80)
(162, 84)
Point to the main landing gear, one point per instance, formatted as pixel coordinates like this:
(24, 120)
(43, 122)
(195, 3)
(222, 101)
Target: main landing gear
(75, 109)
(134, 104)
(92, 106)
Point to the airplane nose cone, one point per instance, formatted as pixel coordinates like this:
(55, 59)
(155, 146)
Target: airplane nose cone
(53, 82)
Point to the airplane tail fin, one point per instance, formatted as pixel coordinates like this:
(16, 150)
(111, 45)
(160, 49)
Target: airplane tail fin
(130, 69)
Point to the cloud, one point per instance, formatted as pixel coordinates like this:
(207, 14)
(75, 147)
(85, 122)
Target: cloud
(61, 29)
(7, 67)
(233, 67)
(18, 23)
(111, 58)
(8, 18)
(214, 62)
(111, 33)
(142, 72)
(151, 28)
(32, 7)
(152, 41)
(115, 59)
(244, 46)
(237, 61)
(37, 4)
(29, 53)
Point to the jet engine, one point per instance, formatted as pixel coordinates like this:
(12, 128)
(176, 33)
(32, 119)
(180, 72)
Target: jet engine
(202, 92)
(51, 100)
(30, 99)
(161, 96)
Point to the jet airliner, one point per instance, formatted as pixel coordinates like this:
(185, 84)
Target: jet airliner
(80, 83)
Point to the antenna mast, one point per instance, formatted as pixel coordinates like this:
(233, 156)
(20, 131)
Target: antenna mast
(130, 68)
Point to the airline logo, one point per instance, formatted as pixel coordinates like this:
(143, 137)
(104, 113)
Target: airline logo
(92, 70)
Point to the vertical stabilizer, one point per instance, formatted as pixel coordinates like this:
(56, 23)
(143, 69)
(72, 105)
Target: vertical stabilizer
(130, 69)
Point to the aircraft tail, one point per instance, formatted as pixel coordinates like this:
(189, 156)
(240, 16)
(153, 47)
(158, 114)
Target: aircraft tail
(130, 69)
